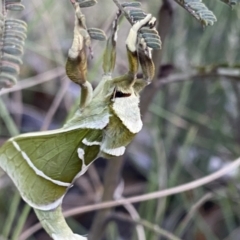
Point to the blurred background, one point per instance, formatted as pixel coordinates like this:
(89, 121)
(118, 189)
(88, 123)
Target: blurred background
(191, 123)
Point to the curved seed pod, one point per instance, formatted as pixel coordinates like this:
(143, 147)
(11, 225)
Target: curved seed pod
(7, 80)
(97, 34)
(15, 7)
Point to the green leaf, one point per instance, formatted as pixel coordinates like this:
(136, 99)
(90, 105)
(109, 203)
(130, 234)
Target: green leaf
(198, 10)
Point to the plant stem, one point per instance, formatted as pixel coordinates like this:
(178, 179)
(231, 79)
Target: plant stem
(21, 222)
(11, 214)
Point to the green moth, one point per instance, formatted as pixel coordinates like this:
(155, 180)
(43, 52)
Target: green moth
(44, 165)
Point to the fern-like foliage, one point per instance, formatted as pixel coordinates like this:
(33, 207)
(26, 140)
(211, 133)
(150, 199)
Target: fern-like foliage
(231, 2)
(148, 35)
(199, 10)
(13, 35)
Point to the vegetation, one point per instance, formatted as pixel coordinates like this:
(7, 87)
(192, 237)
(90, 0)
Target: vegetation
(191, 113)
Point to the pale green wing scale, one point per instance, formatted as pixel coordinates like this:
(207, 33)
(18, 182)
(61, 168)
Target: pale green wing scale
(44, 165)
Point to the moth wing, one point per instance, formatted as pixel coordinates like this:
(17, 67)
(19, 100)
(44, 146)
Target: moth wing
(43, 165)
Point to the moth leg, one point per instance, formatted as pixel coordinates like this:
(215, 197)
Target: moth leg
(55, 225)
(76, 66)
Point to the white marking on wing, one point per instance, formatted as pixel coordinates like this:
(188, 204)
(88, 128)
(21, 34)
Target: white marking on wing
(46, 207)
(127, 110)
(88, 143)
(36, 170)
(115, 151)
(16, 146)
(85, 167)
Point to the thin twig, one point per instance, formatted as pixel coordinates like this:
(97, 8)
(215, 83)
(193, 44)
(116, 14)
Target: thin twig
(21, 221)
(56, 102)
(131, 210)
(192, 75)
(145, 197)
(192, 212)
(11, 214)
(36, 80)
(153, 227)
(111, 179)
(123, 11)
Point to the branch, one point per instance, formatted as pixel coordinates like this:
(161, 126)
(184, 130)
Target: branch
(145, 197)
(36, 80)
(123, 11)
(153, 227)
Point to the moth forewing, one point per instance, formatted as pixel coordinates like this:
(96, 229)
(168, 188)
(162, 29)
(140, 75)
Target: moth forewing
(127, 110)
(43, 166)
